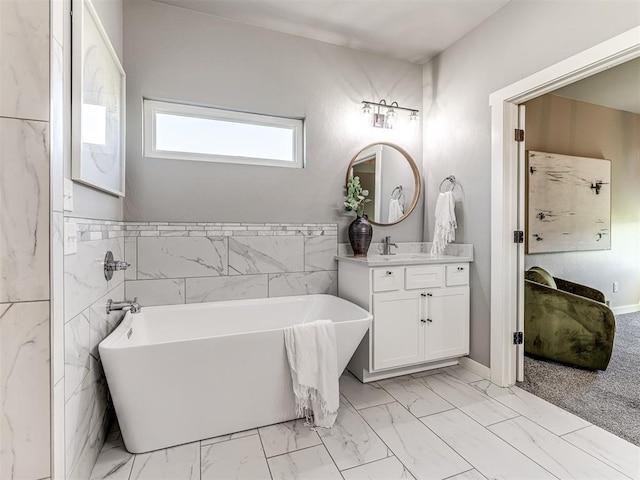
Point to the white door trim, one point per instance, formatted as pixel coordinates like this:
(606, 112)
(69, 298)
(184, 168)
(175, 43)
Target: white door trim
(520, 181)
(504, 183)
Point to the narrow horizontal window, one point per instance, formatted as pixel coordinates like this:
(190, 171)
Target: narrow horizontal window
(187, 132)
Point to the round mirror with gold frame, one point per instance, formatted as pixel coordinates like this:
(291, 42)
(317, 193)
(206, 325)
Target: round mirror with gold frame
(391, 176)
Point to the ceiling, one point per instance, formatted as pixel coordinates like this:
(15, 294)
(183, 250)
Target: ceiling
(617, 87)
(412, 30)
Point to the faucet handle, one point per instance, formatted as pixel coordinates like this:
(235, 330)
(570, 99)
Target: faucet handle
(111, 265)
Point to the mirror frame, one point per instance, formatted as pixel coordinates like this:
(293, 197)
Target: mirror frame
(416, 179)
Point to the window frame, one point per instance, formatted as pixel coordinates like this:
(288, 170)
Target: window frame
(152, 107)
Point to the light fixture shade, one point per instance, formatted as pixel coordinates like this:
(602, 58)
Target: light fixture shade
(390, 119)
(379, 120)
(365, 114)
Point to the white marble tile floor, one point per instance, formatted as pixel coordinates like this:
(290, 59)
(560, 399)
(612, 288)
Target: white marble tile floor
(478, 406)
(351, 441)
(446, 425)
(287, 437)
(236, 458)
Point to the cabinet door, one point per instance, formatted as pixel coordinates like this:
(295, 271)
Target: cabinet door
(446, 332)
(398, 338)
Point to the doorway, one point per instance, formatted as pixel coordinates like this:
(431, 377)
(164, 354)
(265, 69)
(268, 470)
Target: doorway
(507, 257)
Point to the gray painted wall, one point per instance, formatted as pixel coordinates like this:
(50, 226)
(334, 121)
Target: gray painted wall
(177, 54)
(561, 125)
(520, 39)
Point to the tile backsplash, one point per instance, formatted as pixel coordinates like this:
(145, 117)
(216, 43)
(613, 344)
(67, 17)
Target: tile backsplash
(86, 399)
(173, 262)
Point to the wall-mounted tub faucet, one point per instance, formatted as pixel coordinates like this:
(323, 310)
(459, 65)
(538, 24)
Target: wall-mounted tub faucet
(132, 305)
(386, 246)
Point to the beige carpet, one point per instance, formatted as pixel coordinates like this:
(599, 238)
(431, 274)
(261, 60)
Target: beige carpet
(609, 399)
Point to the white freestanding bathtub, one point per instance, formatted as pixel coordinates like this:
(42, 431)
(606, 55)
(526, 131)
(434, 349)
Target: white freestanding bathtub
(183, 373)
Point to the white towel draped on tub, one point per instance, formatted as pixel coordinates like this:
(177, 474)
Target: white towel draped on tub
(446, 225)
(313, 358)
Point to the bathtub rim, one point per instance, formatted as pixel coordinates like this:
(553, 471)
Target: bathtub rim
(112, 341)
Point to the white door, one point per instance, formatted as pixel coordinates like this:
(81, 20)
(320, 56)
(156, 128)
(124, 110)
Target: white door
(397, 334)
(446, 327)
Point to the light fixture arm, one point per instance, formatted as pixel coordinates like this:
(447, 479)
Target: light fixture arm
(383, 103)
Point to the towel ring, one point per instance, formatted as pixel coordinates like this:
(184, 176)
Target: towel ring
(452, 180)
(397, 193)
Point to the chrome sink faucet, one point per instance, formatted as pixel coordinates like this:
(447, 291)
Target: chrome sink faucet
(386, 246)
(132, 305)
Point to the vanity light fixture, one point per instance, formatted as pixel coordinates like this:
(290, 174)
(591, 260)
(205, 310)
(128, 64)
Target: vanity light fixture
(385, 115)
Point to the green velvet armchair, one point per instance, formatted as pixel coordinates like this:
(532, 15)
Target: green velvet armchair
(566, 322)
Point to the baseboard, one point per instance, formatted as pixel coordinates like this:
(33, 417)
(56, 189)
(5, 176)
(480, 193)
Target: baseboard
(626, 309)
(475, 367)
(395, 372)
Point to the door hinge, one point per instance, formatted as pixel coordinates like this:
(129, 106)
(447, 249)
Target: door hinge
(518, 236)
(519, 135)
(518, 338)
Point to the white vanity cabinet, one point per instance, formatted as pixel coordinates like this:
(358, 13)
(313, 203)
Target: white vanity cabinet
(420, 315)
(398, 335)
(446, 330)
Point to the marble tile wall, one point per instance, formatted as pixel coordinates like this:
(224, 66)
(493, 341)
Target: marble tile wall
(25, 213)
(24, 379)
(24, 242)
(86, 323)
(58, 114)
(170, 263)
(24, 72)
(203, 262)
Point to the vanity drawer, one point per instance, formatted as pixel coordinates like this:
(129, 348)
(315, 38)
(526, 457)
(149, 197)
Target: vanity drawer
(387, 279)
(457, 274)
(429, 276)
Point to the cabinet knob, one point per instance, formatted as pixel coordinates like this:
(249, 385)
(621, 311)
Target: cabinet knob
(460, 269)
(429, 320)
(389, 272)
(423, 320)
(423, 294)
(429, 294)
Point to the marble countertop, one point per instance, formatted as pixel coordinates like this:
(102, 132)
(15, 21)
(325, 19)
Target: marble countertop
(454, 253)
